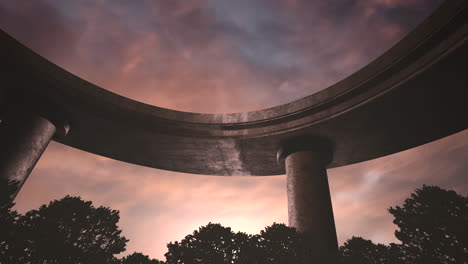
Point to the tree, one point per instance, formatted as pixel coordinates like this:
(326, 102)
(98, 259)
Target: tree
(71, 230)
(7, 216)
(279, 244)
(12, 243)
(433, 226)
(139, 258)
(212, 243)
(358, 250)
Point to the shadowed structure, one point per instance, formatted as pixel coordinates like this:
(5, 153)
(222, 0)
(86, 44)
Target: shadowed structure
(413, 94)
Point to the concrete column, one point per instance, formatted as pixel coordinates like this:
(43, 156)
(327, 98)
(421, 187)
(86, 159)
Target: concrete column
(23, 139)
(309, 204)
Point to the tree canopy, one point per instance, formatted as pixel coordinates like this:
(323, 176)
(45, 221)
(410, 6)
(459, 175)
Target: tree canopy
(358, 250)
(212, 243)
(433, 226)
(278, 243)
(69, 230)
(139, 258)
(11, 244)
(432, 229)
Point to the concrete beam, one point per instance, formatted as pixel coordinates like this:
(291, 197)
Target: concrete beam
(411, 95)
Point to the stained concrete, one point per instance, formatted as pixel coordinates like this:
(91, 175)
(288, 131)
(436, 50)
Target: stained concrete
(309, 204)
(23, 138)
(413, 94)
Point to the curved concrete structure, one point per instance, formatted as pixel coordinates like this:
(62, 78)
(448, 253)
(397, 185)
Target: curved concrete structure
(415, 93)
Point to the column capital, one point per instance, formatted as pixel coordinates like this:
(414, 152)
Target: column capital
(47, 110)
(318, 144)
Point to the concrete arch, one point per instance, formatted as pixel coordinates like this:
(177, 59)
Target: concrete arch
(413, 94)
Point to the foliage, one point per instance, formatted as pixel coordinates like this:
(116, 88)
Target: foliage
(358, 250)
(432, 229)
(11, 243)
(139, 258)
(278, 243)
(433, 226)
(69, 230)
(212, 243)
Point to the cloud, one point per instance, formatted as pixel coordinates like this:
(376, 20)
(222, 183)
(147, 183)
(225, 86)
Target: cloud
(242, 55)
(41, 27)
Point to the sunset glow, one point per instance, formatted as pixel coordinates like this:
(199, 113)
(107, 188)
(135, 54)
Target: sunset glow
(218, 56)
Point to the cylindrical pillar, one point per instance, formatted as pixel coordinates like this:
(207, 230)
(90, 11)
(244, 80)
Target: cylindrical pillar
(309, 203)
(23, 138)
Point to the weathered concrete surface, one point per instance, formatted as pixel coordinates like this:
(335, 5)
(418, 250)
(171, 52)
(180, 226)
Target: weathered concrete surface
(309, 204)
(23, 138)
(413, 94)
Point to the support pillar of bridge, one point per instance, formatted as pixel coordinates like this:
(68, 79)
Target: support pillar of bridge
(23, 138)
(309, 203)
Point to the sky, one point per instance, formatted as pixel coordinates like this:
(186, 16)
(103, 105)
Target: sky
(218, 56)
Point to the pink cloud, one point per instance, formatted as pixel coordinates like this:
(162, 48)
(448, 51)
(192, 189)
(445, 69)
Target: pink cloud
(163, 60)
(399, 3)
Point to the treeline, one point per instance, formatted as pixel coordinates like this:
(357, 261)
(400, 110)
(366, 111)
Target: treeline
(432, 228)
